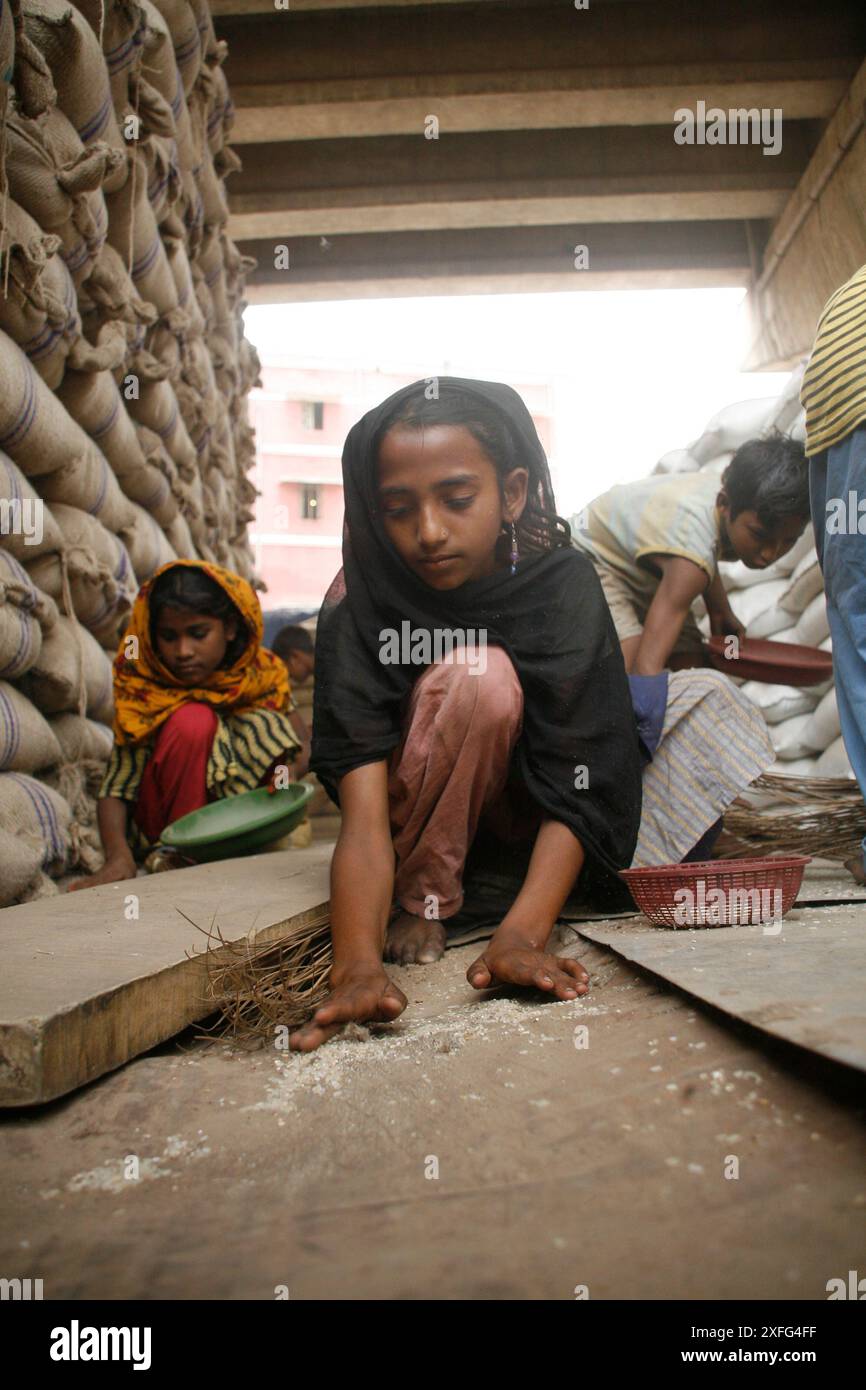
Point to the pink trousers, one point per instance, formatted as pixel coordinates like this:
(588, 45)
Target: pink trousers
(450, 773)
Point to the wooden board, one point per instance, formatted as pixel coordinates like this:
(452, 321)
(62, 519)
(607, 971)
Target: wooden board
(804, 985)
(86, 985)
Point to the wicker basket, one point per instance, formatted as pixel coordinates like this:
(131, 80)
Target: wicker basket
(718, 893)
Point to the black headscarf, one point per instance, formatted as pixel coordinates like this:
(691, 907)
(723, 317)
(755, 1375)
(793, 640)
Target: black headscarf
(550, 617)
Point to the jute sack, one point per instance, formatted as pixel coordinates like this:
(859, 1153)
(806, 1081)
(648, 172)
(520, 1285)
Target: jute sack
(38, 817)
(121, 26)
(71, 49)
(183, 25)
(59, 183)
(81, 738)
(20, 869)
(41, 321)
(179, 264)
(95, 564)
(71, 664)
(180, 539)
(162, 72)
(27, 527)
(110, 295)
(157, 408)
(7, 42)
(27, 742)
(212, 263)
(87, 482)
(250, 365)
(192, 210)
(164, 184)
(148, 545)
(214, 201)
(132, 224)
(93, 400)
(24, 613)
(213, 50)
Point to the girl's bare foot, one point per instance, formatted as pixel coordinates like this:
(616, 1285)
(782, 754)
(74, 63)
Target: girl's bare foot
(414, 940)
(359, 996)
(524, 965)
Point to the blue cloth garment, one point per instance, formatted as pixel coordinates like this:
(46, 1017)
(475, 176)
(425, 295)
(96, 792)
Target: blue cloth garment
(649, 698)
(837, 485)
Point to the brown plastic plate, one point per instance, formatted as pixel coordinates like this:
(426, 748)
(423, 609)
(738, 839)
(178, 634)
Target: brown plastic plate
(779, 663)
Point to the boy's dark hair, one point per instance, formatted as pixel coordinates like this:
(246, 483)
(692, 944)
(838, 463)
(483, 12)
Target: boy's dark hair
(538, 529)
(292, 638)
(185, 587)
(769, 476)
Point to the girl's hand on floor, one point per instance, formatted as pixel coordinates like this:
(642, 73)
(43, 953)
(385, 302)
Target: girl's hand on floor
(364, 996)
(112, 871)
(523, 965)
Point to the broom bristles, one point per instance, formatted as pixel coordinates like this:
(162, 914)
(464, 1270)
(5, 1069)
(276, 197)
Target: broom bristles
(823, 816)
(269, 984)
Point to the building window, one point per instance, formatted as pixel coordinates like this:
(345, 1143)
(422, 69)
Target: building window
(309, 501)
(313, 415)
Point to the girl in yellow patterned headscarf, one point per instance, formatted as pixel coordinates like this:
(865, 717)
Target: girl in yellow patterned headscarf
(146, 676)
(202, 710)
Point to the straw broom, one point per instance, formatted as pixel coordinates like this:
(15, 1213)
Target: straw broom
(276, 983)
(824, 816)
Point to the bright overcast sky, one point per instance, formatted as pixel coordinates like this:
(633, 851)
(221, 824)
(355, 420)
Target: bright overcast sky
(636, 373)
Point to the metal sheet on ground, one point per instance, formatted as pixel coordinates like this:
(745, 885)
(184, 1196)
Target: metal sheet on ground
(94, 978)
(803, 985)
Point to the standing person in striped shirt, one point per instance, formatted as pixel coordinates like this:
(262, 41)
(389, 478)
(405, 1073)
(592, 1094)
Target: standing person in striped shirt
(834, 397)
(202, 710)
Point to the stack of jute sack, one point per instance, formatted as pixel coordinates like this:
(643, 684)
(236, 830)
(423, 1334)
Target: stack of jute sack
(124, 434)
(785, 602)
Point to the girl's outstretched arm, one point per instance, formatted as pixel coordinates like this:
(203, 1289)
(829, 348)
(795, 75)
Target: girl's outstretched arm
(516, 952)
(362, 887)
(119, 864)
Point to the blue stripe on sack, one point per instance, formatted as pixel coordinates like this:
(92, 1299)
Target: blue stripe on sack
(177, 103)
(123, 56)
(186, 50)
(97, 506)
(103, 428)
(43, 342)
(76, 257)
(10, 729)
(145, 262)
(54, 848)
(26, 414)
(172, 422)
(97, 122)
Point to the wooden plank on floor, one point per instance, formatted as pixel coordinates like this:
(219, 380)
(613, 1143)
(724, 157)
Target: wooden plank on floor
(804, 985)
(87, 984)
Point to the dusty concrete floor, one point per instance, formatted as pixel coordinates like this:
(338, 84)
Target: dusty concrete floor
(558, 1165)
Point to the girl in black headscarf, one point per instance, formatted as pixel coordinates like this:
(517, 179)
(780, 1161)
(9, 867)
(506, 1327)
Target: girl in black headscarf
(451, 528)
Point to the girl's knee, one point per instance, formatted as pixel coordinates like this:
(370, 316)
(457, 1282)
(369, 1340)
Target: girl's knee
(483, 680)
(193, 722)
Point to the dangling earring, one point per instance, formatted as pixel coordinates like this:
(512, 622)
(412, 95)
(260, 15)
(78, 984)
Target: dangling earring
(515, 554)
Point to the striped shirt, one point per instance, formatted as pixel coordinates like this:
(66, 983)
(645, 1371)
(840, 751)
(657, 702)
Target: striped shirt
(833, 392)
(244, 747)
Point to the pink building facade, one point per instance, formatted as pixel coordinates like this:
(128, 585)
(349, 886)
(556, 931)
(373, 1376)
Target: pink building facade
(302, 414)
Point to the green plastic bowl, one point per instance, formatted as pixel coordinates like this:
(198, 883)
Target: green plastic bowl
(238, 824)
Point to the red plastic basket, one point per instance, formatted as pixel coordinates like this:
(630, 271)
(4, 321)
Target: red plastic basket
(718, 892)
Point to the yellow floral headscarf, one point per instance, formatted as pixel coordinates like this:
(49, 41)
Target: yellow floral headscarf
(145, 691)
